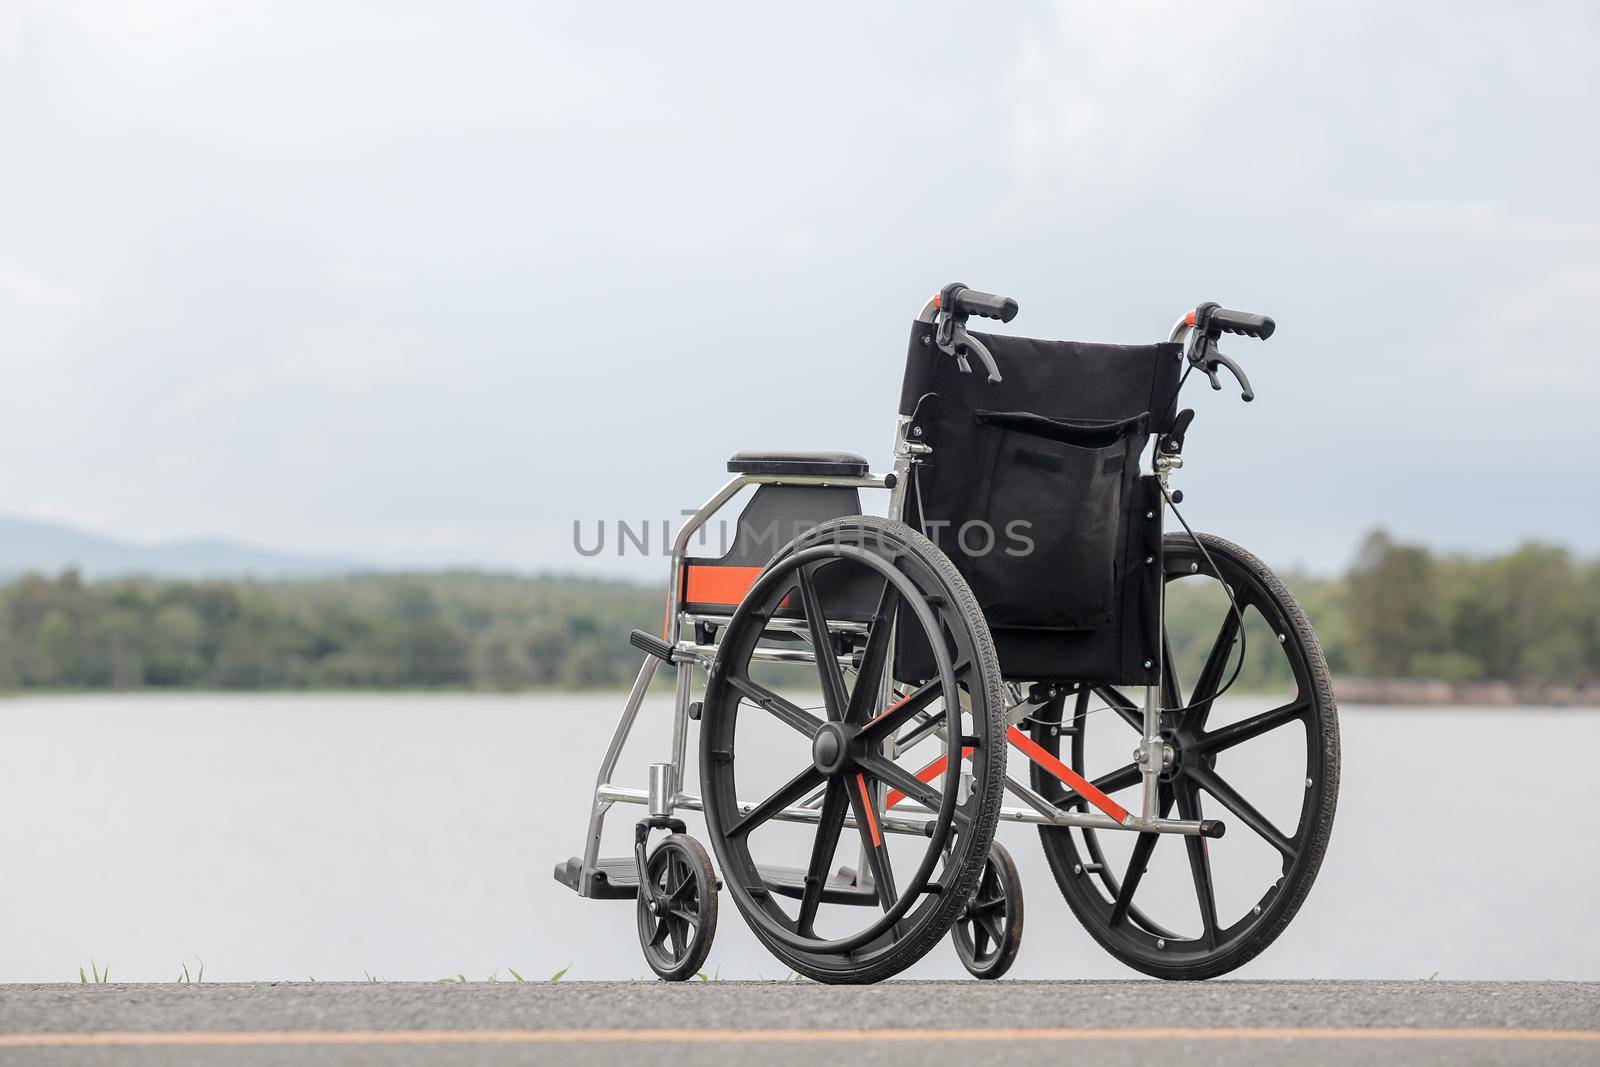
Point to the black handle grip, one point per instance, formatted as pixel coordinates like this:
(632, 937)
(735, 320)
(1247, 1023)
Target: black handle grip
(987, 305)
(1251, 325)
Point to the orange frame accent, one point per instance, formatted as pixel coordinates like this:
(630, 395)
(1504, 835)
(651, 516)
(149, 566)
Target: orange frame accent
(866, 806)
(1071, 778)
(927, 774)
(1029, 748)
(888, 709)
(717, 585)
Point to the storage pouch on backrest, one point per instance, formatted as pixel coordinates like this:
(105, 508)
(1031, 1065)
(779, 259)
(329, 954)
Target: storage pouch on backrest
(1054, 505)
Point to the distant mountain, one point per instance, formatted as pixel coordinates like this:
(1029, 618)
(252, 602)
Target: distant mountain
(49, 547)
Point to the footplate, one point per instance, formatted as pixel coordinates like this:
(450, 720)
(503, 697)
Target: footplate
(617, 878)
(841, 888)
(611, 879)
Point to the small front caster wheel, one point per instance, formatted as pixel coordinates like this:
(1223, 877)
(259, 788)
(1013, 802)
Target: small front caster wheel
(677, 908)
(989, 932)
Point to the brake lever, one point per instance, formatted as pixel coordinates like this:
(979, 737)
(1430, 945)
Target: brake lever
(977, 348)
(1246, 393)
(1208, 358)
(954, 340)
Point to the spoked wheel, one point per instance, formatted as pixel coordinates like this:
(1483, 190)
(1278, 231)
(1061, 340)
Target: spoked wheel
(988, 933)
(678, 917)
(848, 588)
(1268, 767)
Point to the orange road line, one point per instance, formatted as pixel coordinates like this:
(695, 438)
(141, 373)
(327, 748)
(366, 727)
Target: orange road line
(225, 1038)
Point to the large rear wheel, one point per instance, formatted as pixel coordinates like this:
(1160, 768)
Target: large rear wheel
(1267, 766)
(848, 748)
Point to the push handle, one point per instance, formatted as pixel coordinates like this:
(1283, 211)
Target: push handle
(955, 302)
(1244, 322)
(964, 301)
(1209, 321)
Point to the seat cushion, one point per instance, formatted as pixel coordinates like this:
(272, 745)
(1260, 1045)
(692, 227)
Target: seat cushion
(835, 464)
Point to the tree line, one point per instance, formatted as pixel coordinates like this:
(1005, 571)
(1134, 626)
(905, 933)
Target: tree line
(1400, 611)
(431, 631)
(1529, 617)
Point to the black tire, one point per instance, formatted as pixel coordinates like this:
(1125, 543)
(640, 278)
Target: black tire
(678, 920)
(988, 933)
(1077, 859)
(914, 585)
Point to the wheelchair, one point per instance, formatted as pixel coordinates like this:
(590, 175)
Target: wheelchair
(884, 683)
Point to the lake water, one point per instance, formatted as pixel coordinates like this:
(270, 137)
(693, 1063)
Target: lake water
(412, 837)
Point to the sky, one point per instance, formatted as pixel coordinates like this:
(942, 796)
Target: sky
(427, 284)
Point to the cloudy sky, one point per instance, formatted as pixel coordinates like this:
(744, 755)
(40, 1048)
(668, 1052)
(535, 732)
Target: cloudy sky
(427, 283)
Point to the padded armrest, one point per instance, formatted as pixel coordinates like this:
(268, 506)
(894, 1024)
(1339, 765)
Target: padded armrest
(834, 464)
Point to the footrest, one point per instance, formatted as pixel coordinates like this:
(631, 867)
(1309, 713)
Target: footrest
(614, 878)
(617, 878)
(841, 888)
(611, 879)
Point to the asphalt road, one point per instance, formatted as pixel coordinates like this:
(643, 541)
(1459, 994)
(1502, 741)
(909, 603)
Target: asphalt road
(780, 1023)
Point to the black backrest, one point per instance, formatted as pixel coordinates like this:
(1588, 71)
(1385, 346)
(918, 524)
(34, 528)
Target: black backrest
(1033, 489)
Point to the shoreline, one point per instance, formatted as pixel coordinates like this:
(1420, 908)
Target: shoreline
(1377, 692)
(1409, 692)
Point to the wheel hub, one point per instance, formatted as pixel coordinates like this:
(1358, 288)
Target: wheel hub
(1172, 767)
(830, 750)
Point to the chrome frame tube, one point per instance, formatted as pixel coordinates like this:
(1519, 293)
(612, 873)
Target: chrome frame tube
(663, 788)
(680, 729)
(900, 824)
(702, 655)
(798, 626)
(1152, 750)
(926, 727)
(1151, 753)
(619, 737)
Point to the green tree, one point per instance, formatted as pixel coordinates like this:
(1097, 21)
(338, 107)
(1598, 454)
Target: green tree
(173, 656)
(1394, 606)
(55, 659)
(431, 653)
(1542, 615)
(499, 657)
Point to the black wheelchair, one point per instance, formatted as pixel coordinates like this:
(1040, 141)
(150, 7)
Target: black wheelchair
(873, 674)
